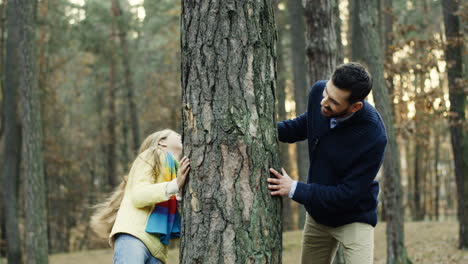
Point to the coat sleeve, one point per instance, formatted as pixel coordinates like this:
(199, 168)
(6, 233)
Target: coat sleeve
(143, 191)
(293, 130)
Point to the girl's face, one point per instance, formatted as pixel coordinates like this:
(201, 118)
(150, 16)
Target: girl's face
(173, 143)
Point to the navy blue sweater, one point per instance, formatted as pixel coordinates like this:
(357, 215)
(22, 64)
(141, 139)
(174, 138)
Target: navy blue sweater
(344, 161)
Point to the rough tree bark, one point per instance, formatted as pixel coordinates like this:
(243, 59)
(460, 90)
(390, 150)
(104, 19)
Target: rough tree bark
(301, 85)
(12, 150)
(367, 48)
(34, 185)
(458, 126)
(229, 132)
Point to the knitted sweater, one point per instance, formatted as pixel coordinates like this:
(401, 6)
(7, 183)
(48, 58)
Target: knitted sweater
(344, 161)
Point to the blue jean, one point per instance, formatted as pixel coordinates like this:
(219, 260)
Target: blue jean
(129, 249)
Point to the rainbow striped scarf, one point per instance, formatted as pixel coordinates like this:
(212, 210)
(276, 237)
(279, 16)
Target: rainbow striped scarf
(165, 218)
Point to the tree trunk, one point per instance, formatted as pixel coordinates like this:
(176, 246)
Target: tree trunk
(436, 172)
(339, 42)
(301, 86)
(321, 39)
(288, 220)
(229, 82)
(117, 13)
(368, 40)
(12, 151)
(112, 116)
(34, 186)
(389, 50)
(458, 126)
(2, 59)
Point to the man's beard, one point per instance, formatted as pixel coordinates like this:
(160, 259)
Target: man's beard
(331, 114)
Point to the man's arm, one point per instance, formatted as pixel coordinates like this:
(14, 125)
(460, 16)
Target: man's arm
(293, 130)
(346, 194)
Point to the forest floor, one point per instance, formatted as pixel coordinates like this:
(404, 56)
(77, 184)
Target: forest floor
(427, 242)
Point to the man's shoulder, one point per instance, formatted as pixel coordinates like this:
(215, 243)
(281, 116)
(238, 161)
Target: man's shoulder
(374, 120)
(317, 88)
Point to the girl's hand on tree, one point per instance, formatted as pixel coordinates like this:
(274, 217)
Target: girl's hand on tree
(183, 171)
(281, 185)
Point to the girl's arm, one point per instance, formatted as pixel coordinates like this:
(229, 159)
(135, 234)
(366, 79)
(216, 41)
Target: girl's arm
(143, 191)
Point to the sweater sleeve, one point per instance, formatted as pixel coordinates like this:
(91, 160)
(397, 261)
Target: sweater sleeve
(345, 195)
(143, 191)
(293, 130)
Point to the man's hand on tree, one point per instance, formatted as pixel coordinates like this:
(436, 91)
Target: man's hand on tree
(281, 185)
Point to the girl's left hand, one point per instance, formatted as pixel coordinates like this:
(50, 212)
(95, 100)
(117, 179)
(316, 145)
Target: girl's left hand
(183, 171)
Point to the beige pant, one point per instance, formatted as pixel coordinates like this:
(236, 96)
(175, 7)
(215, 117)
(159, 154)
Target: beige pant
(320, 243)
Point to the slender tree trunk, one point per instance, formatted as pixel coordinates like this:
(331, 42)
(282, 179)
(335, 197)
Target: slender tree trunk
(339, 42)
(230, 134)
(369, 41)
(417, 214)
(386, 14)
(12, 150)
(389, 50)
(436, 172)
(458, 126)
(34, 186)
(112, 115)
(2, 58)
(288, 220)
(301, 85)
(119, 17)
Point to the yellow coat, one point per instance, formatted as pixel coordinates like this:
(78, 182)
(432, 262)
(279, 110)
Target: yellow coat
(141, 194)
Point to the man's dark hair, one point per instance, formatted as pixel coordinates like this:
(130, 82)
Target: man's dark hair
(353, 77)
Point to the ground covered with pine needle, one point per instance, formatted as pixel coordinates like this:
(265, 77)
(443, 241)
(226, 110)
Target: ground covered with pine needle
(427, 242)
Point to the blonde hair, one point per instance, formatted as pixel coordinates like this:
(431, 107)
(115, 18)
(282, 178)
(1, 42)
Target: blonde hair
(105, 213)
(152, 142)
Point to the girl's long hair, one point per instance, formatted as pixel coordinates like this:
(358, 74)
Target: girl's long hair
(105, 213)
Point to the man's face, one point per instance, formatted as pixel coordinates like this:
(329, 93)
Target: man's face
(335, 102)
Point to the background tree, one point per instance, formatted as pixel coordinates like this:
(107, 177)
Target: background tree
(12, 147)
(366, 47)
(229, 82)
(458, 127)
(301, 85)
(34, 185)
(288, 219)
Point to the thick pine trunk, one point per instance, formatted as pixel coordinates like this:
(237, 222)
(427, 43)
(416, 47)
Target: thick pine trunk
(370, 52)
(12, 150)
(288, 220)
(34, 185)
(458, 126)
(229, 82)
(301, 85)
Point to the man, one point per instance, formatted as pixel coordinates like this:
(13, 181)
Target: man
(346, 139)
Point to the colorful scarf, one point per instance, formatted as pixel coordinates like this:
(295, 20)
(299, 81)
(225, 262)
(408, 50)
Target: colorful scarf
(165, 218)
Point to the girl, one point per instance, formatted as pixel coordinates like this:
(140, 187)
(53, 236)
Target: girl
(151, 184)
